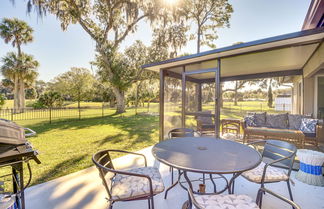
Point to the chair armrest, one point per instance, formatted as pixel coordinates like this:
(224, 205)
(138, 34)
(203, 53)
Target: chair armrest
(273, 162)
(262, 189)
(132, 153)
(255, 143)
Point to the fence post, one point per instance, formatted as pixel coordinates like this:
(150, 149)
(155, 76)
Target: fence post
(79, 113)
(50, 115)
(12, 114)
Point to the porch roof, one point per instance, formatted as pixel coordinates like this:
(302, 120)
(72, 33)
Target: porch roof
(279, 55)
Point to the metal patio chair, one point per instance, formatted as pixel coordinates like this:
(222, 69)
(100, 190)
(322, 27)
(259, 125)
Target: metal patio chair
(275, 154)
(202, 201)
(126, 185)
(175, 133)
(179, 132)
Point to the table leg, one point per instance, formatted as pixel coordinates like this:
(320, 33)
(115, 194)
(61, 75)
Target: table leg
(173, 185)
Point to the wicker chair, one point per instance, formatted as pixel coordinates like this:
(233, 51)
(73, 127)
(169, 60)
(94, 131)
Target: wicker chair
(205, 122)
(275, 154)
(125, 185)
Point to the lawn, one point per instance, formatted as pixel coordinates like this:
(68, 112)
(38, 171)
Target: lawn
(66, 146)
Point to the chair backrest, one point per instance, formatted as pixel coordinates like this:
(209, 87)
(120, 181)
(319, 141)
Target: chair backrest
(276, 149)
(206, 118)
(181, 132)
(104, 164)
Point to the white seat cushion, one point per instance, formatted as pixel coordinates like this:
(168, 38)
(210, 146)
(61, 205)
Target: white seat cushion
(272, 174)
(129, 187)
(221, 201)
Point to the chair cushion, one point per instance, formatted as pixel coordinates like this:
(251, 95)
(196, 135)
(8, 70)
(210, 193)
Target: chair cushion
(260, 119)
(277, 121)
(272, 175)
(222, 201)
(308, 125)
(131, 187)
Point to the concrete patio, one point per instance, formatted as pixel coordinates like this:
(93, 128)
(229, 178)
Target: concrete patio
(84, 190)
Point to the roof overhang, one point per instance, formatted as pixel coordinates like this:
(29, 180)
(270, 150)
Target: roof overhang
(315, 15)
(289, 52)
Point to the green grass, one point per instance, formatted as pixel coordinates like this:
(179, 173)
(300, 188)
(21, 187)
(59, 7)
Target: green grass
(67, 146)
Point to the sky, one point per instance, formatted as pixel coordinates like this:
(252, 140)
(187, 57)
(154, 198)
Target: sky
(57, 51)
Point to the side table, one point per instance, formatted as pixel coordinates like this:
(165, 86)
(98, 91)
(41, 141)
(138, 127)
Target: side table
(310, 169)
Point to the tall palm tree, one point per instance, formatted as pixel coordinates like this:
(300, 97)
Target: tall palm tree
(21, 70)
(17, 32)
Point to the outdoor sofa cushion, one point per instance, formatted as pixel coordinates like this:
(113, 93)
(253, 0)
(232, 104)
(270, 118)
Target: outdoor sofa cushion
(272, 174)
(125, 186)
(277, 120)
(223, 201)
(259, 119)
(294, 121)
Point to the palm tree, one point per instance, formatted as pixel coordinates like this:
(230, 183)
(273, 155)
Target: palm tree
(21, 70)
(17, 32)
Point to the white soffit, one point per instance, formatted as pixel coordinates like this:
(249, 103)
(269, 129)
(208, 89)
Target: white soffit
(240, 56)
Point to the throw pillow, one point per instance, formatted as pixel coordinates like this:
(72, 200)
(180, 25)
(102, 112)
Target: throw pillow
(277, 121)
(250, 121)
(308, 125)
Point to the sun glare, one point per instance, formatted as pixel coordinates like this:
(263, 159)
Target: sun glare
(170, 2)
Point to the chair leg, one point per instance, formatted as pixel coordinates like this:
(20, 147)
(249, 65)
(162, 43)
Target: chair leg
(110, 205)
(233, 185)
(152, 202)
(149, 203)
(171, 175)
(289, 189)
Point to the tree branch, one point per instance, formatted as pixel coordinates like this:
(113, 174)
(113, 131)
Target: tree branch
(129, 28)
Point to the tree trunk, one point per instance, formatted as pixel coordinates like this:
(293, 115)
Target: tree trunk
(235, 94)
(270, 95)
(22, 95)
(136, 98)
(120, 98)
(198, 38)
(16, 94)
(148, 105)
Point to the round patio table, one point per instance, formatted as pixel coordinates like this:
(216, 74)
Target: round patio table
(207, 155)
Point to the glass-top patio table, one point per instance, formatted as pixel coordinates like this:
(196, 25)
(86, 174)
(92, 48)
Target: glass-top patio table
(207, 155)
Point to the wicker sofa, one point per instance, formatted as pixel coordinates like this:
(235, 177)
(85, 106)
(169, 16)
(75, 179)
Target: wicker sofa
(278, 126)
